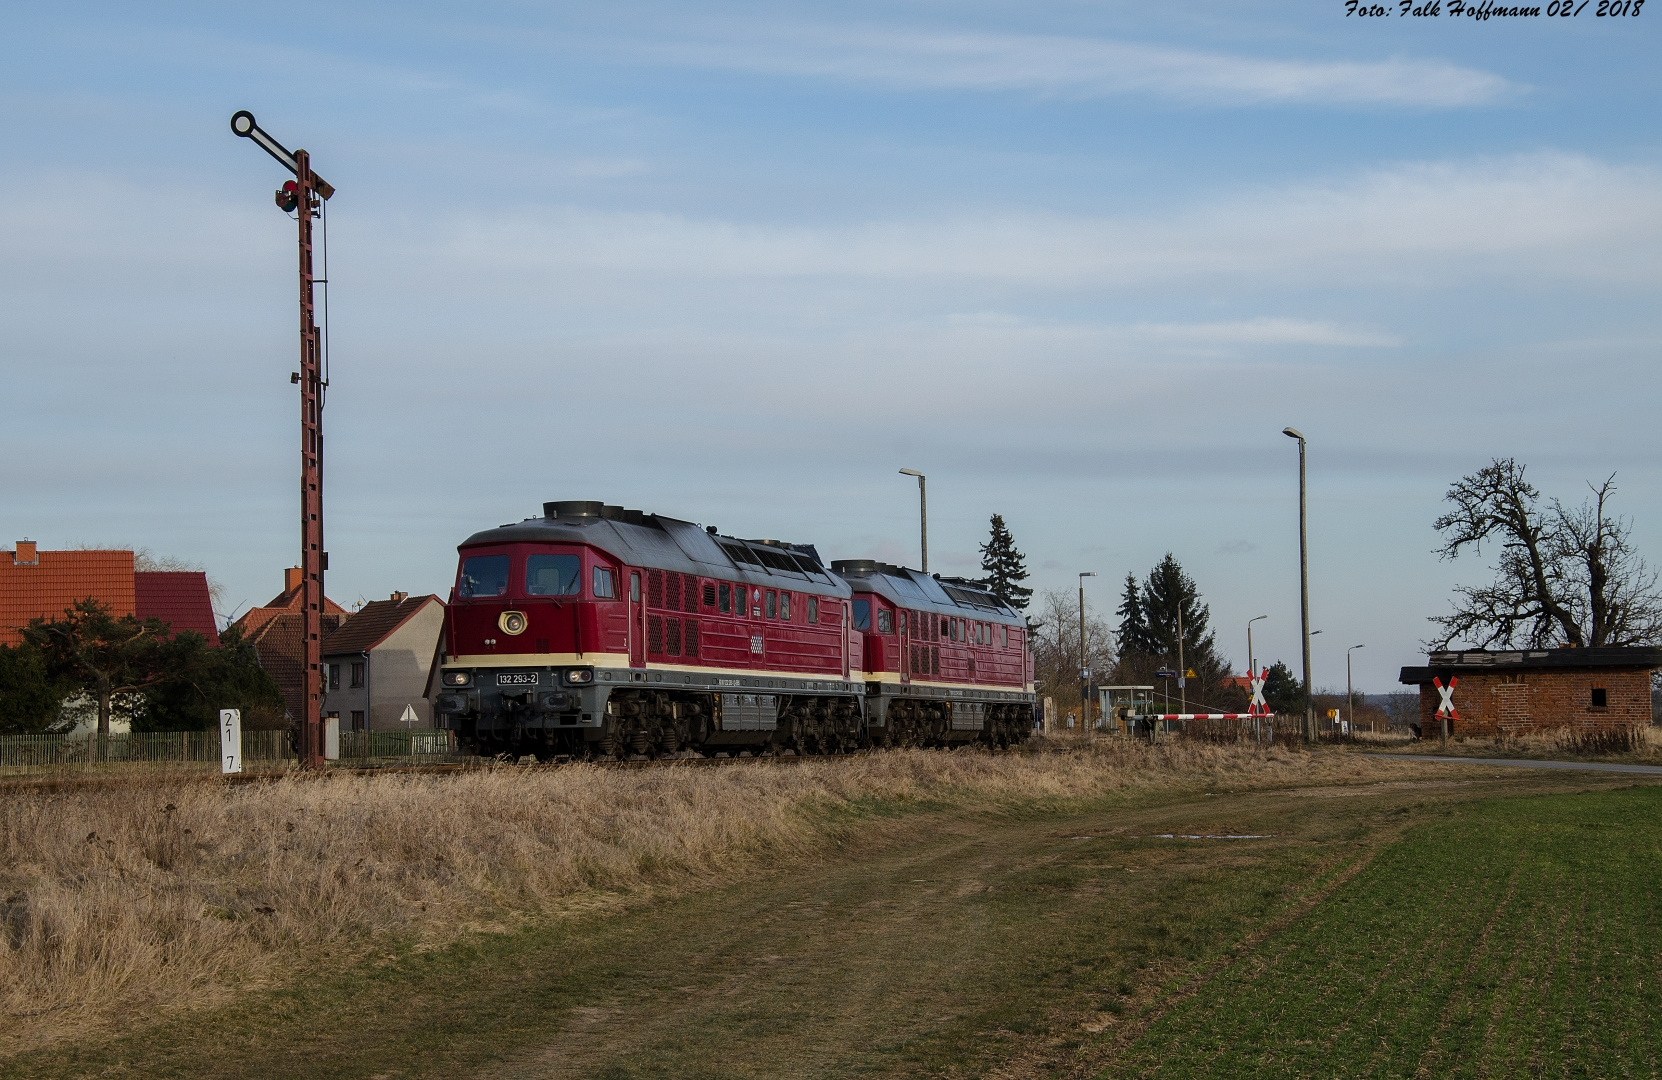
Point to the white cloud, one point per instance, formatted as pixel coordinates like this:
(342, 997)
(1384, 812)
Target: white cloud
(1085, 67)
(1550, 216)
(1263, 331)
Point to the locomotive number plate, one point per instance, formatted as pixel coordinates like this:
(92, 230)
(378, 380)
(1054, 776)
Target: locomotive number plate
(516, 678)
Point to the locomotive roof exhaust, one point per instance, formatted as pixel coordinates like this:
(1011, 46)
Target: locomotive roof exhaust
(578, 509)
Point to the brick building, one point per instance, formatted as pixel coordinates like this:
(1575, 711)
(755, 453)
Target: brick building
(1513, 693)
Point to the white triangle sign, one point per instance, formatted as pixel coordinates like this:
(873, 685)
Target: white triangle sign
(409, 716)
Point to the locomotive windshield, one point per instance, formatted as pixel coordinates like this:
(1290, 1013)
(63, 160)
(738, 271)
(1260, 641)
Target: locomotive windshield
(484, 575)
(553, 575)
(862, 614)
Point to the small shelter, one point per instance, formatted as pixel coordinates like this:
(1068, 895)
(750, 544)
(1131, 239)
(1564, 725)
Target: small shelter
(1516, 693)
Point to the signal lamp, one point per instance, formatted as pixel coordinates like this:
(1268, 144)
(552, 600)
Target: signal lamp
(457, 678)
(288, 196)
(580, 675)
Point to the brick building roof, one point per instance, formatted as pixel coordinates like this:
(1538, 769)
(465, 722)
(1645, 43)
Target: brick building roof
(1482, 661)
(371, 624)
(177, 597)
(41, 584)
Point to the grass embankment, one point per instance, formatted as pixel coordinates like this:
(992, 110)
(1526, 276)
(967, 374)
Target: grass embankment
(130, 903)
(1510, 937)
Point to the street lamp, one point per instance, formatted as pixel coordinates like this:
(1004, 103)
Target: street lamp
(1084, 663)
(1252, 669)
(923, 517)
(1303, 584)
(1350, 706)
(1309, 700)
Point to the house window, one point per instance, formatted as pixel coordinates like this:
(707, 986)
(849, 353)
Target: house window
(357, 720)
(813, 609)
(773, 604)
(724, 597)
(358, 674)
(1599, 699)
(603, 586)
(334, 676)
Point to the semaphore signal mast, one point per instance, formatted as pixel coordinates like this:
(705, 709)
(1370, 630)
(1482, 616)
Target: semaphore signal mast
(304, 196)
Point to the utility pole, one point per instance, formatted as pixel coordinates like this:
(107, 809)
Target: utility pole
(304, 196)
(1350, 695)
(1084, 660)
(1182, 672)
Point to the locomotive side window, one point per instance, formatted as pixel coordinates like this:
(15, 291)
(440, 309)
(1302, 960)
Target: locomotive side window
(1004, 637)
(813, 609)
(605, 588)
(862, 614)
(773, 604)
(635, 588)
(724, 597)
(553, 575)
(902, 624)
(885, 621)
(484, 575)
(785, 606)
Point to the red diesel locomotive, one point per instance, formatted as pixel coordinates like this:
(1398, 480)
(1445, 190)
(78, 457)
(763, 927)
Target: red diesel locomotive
(595, 631)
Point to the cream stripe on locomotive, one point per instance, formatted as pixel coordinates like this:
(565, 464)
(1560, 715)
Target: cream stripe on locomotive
(894, 677)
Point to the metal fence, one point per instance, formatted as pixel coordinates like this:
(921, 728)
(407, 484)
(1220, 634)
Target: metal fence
(262, 751)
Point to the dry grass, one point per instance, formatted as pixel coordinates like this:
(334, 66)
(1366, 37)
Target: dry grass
(123, 902)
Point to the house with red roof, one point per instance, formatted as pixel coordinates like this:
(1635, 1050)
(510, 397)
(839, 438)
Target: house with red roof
(277, 631)
(36, 584)
(377, 665)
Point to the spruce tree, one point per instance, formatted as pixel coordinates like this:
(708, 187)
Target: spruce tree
(1133, 632)
(1005, 567)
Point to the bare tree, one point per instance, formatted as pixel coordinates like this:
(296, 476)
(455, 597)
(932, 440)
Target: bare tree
(1055, 636)
(1563, 576)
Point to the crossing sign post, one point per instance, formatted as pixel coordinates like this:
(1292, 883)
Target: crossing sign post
(1258, 708)
(1446, 711)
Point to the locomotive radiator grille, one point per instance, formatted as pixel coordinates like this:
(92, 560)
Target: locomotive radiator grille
(689, 641)
(690, 602)
(672, 591)
(672, 637)
(655, 634)
(655, 588)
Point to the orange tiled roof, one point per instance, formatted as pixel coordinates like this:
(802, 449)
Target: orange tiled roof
(280, 641)
(55, 580)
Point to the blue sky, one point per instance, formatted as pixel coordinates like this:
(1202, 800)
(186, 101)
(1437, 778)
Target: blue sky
(739, 263)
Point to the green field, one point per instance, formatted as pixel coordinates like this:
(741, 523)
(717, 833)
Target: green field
(1509, 937)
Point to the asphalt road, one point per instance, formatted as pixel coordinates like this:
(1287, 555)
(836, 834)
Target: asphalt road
(1522, 763)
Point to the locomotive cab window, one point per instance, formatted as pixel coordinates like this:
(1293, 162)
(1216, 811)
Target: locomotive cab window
(553, 575)
(885, 621)
(483, 575)
(862, 614)
(605, 586)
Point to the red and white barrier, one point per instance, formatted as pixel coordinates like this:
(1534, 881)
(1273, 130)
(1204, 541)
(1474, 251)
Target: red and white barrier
(1202, 716)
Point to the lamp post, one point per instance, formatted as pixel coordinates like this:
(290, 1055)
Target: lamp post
(923, 517)
(1350, 706)
(1303, 584)
(1309, 699)
(1084, 662)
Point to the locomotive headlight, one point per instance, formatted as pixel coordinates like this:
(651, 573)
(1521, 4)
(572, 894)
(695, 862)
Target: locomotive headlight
(580, 675)
(457, 678)
(512, 622)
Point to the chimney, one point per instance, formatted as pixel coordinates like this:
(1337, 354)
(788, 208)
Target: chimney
(292, 577)
(26, 555)
(400, 597)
